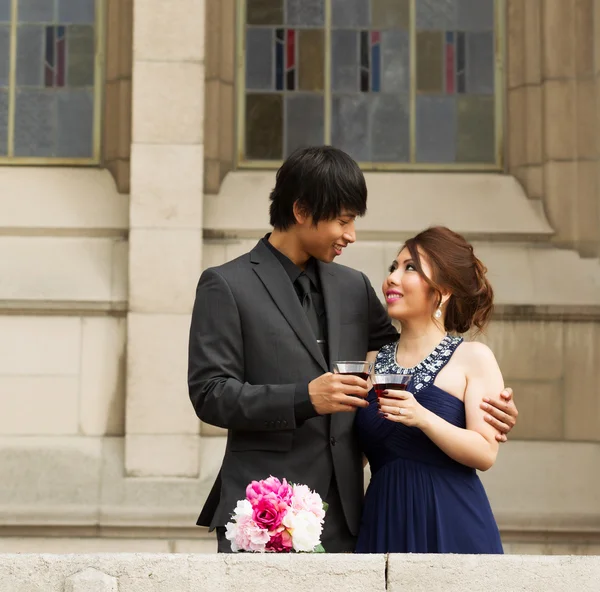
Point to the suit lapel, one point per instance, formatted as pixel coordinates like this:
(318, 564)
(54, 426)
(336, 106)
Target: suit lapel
(331, 296)
(276, 281)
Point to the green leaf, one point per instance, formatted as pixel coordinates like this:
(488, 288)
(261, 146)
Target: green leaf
(319, 549)
(325, 506)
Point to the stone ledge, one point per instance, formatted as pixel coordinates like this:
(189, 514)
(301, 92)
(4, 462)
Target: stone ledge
(400, 204)
(48, 200)
(140, 572)
(116, 308)
(523, 275)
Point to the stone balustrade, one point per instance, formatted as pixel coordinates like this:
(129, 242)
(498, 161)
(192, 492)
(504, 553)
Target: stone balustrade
(365, 573)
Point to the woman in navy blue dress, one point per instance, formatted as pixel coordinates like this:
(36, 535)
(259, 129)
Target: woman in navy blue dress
(424, 445)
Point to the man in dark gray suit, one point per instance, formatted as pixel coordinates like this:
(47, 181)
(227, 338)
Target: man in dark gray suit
(266, 328)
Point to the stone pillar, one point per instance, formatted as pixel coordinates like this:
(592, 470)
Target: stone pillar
(552, 114)
(116, 133)
(162, 432)
(597, 84)
(220, 92)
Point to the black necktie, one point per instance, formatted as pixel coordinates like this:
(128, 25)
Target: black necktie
(308, 305)
(311, 312)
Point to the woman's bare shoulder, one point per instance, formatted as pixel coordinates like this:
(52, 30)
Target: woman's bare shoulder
(474, 354)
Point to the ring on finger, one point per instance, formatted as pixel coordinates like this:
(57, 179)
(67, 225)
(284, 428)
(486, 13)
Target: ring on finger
(400, 411)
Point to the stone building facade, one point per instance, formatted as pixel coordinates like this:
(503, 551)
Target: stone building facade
(99, 445)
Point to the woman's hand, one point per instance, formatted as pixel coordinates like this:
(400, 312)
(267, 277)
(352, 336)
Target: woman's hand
(501, 413)
(402, 407)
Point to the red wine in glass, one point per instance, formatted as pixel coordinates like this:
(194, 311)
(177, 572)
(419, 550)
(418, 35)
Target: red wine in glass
(363, 375)
(384, 382)
(362, 369)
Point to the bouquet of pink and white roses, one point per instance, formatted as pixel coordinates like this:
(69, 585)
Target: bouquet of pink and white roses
(277, 517)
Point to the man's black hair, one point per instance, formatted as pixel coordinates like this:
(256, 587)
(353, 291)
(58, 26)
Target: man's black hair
(325, 181)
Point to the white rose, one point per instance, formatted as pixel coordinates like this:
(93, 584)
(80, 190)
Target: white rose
(305, 529)
(243, 508)
(231, 532)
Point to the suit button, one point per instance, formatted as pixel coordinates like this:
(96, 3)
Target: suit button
(272, 424)
(332, 441)
(284, 423)
(278, 424)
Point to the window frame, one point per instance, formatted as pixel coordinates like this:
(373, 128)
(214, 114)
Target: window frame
(499, 99)
(99, 64)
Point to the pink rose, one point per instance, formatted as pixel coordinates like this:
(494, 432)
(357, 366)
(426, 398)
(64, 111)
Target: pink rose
(280, 542)
(246, 535)
(307, 500)
(280, 489)
(268, 511)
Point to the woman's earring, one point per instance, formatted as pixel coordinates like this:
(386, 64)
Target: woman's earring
(438, 313)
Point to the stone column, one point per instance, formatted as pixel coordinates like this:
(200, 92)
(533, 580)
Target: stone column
(162, 432)
(552, 114)
(524, 79)
(597, 84)
(116, 137)
(220, 95)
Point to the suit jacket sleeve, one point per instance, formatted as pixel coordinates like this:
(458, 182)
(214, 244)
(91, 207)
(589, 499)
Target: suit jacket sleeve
(381, 330)
(216, 383)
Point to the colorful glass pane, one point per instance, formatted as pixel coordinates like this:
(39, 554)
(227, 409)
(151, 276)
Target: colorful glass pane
(305, 13)
(31, 50)
(311, 59)
(264, 12)
(55, 56)
(476, 139)
(350, 13)
(3, 122)
(390, 13)
(429, 61)
(436, 15)
(4, 55)
(479, 66)
(436, 129)
(344, 63)
(350, 124)
(75, 116)
(259, 58)
(80, 56)
(36, 11)
(304, 121)
(475, 15)
(5, 11)
(395, 64)
(264, 126)
(35, 123)
(76, 12)
(389, 128)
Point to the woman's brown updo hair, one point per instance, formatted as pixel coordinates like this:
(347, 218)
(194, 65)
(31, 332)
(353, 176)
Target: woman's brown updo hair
(455, 269)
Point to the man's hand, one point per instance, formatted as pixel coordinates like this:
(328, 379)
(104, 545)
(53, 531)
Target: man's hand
(332, 393)
(501, 413)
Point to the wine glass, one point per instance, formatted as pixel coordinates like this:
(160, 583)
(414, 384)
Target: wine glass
(396, 382)
(362, 369)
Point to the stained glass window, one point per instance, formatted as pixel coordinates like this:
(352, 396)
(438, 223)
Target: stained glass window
(395, 83)
(49, 78)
